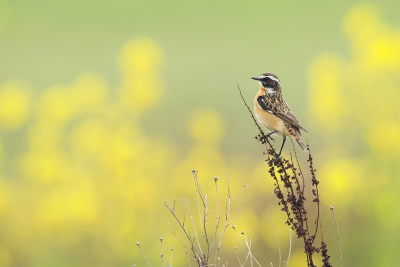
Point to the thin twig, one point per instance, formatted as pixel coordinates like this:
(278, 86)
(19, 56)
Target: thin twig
(171, 256)
(255, 120)
(234, 229)
(187, 257)
(337, 229)
(290, 248)
(298, 164)
(178, 237)
(217, 218)
(198, 201)
(228, 209)
(276, 236)
(241, 205)
(194, 227)
(238, 257)
(138, 244)
(162, 253)
(248, 245)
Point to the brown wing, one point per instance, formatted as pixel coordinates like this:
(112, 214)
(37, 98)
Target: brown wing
(281, 110)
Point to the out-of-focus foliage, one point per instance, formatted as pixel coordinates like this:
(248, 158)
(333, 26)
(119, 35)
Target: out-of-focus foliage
(355, 102)
(85, 164)
(87, 182)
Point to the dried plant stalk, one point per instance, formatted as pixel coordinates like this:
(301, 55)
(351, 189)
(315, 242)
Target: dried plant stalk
(291, 194)
(193, 244)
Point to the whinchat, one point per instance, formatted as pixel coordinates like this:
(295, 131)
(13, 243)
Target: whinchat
(273, 112)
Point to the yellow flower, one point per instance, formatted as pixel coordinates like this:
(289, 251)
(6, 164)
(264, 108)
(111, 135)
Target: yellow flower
(140, 62)
(326, 103)
(206, 125)
(4, 195)
(77, 203)
(341, 177)
(14, 104)
(391, 142)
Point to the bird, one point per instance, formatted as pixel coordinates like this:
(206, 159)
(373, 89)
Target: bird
(274, 113)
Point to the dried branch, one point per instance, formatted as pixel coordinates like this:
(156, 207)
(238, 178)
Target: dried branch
(293, 199)
(193, 244)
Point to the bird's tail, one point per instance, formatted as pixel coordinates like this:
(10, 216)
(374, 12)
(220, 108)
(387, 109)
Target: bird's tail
(301, 144)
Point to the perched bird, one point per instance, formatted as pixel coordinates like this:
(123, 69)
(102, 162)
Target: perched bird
(273, 112)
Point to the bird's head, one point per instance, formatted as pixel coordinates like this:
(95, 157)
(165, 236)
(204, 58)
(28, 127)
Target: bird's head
(269, 82)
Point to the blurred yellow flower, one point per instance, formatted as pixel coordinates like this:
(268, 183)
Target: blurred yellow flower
(140, 63)
(278, 218)
(77, 203)
(14, 104)
(326, 103)
(360, 108)
(390, 142)
(44, 166)
(206, 125)
(4, 195)
(90, 137)
(2, 154)
(298, 259)
(375, 45)
(341, 177)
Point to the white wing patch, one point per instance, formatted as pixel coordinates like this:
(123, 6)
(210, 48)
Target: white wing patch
(264, 109)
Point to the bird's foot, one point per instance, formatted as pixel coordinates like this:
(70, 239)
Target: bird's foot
(270, 137)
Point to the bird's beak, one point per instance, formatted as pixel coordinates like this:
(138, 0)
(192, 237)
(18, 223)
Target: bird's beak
(255, 78)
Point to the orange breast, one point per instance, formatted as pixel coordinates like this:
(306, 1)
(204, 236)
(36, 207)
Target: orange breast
(266, 119)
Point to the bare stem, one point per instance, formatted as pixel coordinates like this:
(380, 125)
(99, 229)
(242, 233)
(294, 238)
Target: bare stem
(290, 248)
(138, 244)
(277, 241)
(337, 229)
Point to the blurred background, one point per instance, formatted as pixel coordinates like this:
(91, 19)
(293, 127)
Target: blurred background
(107, 106)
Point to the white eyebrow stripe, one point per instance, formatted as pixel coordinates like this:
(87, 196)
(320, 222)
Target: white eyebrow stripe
(274, 79)
(269, 76)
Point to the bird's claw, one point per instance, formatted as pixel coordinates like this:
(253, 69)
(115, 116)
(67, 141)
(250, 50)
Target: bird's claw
(271, 138)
